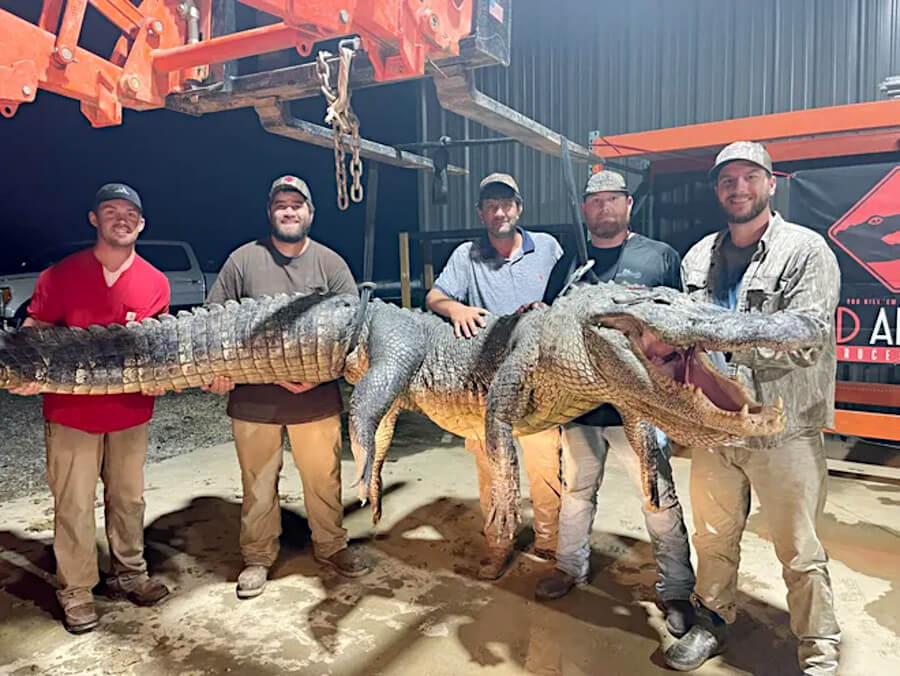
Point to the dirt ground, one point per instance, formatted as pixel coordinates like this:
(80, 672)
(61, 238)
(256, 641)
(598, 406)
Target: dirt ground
(422, 611)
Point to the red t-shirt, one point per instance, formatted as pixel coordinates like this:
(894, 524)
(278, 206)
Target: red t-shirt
(74, 293)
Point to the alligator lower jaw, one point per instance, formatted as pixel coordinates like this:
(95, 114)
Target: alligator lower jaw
(721, 404)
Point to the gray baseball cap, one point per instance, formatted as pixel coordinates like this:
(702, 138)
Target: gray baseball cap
(502, 179)
(291, 183)
(117, 191)
(749, 151)
(605, 181)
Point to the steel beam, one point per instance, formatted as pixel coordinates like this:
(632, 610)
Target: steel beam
(457, 93)
(275, 117)
(286, 84)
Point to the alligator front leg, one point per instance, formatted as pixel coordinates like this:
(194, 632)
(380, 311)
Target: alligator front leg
(642, 437)
(395, 345)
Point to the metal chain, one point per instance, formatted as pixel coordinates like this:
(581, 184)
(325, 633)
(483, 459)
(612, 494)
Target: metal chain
(343, 122)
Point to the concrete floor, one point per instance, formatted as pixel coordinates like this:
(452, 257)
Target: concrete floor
(422, 611)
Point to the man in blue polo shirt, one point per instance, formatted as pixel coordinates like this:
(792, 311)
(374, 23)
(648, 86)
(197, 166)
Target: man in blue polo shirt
(499, 274)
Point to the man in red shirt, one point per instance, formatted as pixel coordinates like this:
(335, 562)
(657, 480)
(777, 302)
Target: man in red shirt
(91, 436)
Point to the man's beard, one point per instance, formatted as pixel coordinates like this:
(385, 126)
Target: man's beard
(756, 208)
(607, 228)
(290, 237)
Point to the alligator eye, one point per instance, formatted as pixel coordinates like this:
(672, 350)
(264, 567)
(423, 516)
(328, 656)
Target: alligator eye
(662, 301)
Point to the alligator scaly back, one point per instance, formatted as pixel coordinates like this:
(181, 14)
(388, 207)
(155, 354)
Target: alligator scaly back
(283, 337)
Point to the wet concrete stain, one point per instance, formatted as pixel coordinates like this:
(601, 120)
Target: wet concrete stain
(865, 548)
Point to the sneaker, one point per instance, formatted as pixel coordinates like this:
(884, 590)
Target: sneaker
(81, 617)
(347, 562)
(141, 591)
(252, 581)
(704, 640)
(679, 616)
(495, 563)
(555, 585)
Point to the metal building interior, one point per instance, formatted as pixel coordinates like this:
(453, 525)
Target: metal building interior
(650, 88)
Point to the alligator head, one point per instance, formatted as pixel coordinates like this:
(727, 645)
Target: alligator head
(649, 351)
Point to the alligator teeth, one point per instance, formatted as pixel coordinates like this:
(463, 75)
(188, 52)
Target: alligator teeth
(779, 405)
(745, 411)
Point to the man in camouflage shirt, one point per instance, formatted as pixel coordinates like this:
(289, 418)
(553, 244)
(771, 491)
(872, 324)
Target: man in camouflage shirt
(762, 263)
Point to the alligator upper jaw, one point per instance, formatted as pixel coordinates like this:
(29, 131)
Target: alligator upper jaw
(688, 375)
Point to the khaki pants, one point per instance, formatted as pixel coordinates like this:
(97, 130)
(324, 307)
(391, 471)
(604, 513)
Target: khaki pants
(316, 447)
(75, 460)
(790, 483)
(541, 453)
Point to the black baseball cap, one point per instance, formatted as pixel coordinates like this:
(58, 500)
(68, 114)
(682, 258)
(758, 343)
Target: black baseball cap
(117, 191)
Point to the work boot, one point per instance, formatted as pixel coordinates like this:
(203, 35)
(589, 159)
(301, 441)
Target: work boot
(492, 566)
(141, 590)
(252, 581)
(79, 611)
(679, 616)
(555, 585)
(347, 562)
(704, 640)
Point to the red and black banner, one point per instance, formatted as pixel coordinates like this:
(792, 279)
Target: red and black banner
(857, 209)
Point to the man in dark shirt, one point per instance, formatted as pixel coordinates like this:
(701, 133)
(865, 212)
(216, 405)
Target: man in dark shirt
(287, 261)
(624, 257)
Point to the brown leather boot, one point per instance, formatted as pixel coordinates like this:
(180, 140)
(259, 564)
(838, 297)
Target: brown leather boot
(555, 585)
(347, 562)
(81, 617)
(495, 563)
(141, 591)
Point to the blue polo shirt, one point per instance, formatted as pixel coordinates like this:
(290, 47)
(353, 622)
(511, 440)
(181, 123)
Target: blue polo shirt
(478, 276)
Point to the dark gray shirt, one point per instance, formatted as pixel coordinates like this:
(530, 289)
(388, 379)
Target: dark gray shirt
(639, 261)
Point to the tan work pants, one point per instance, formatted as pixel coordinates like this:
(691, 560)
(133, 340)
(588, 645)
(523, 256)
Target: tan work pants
(316, 447)
(75, 460)
(790, 483)
(541, 453)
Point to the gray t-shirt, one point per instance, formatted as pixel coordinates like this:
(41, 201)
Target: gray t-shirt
(259, 269)
(476, 275)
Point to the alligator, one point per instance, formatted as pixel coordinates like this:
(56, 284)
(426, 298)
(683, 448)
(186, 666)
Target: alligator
(644, 350)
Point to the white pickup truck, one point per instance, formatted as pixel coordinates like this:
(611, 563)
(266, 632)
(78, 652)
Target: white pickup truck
(189, 284)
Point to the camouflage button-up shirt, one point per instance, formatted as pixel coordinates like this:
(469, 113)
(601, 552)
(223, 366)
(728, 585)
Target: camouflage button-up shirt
(792, 270)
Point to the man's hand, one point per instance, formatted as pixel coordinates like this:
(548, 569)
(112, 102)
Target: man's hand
(466, 320)
(219, 385)
(536, 305)
(26, 390)
(297, 388)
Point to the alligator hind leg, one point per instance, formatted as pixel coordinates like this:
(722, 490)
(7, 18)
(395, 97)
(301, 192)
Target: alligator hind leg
(383, 436)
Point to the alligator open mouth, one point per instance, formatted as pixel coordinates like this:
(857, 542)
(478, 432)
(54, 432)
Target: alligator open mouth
(691, 370)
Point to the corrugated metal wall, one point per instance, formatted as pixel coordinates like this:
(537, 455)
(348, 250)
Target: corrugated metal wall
(584, 65)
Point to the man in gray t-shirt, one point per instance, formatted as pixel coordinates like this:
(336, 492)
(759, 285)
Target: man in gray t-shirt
(287, 261)
(507, 269)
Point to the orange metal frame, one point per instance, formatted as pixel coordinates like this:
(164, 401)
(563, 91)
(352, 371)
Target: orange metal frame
(862, 423)
(803, 134)
(153, 58)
